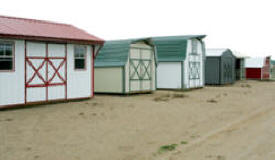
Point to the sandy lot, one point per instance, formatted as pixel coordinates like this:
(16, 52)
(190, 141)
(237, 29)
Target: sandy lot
(235, 122)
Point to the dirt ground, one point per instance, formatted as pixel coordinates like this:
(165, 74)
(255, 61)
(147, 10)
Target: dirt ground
(234, 122)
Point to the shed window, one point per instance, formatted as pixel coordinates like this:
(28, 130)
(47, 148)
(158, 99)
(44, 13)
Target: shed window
(194, 47)
(80, 57)
(6, 56)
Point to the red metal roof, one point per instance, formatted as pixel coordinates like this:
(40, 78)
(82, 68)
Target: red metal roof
(44, 30)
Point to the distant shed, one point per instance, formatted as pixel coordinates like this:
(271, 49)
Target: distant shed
(220, 67)
(240, 66)
(126, 66)
(258, 68)
(181, 61)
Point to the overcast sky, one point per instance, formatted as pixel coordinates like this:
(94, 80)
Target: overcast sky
(243, 25)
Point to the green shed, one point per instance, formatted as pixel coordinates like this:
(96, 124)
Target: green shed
(220, 67)
(126, 66)
(181, 61)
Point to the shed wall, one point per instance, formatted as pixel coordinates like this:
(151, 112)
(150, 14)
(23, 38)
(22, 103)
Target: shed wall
(191, 79)
(108, 80)
(253, 73)
(79, 81)
(12, 83)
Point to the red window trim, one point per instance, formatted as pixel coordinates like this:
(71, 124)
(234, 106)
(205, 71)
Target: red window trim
(85, 58)
(13, 55)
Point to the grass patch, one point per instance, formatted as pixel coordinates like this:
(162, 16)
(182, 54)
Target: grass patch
(212, 101)
(167, 148)
(183, 142)
(245, 85)
(177, 95)
(163, 98)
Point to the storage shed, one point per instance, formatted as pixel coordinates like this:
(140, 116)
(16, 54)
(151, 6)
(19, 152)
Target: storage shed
(240, 65)
(42, 61)
(181, 61)
(125, 67)
(219, 67)
(258, 68)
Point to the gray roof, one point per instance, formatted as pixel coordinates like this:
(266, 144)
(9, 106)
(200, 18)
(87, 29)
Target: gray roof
(116, 53)
(173, 48)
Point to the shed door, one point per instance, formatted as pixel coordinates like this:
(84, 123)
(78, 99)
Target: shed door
(194, 71)
(45, 72)
(140, 69)
(227, 70)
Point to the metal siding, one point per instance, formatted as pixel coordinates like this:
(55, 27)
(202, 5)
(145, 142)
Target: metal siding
(169, 75)
(13, 26)
(212, 70)
(79, 81)
(227, 68)
(13, 82)
(253, 73)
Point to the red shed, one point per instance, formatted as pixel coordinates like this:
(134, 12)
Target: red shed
(258, 68)
(42, 61)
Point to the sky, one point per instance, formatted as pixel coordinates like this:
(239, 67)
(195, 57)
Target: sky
(246, 26)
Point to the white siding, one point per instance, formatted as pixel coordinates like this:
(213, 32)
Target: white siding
(143, 52)
(36, 49)
(169, 75)
(12, 83)
(195, 83)
(79, 81)
(57, 92)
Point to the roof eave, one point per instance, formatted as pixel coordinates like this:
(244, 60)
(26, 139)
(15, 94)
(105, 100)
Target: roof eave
(53, 39)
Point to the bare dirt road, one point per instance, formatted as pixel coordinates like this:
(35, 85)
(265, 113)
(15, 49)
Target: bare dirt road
(215, 123)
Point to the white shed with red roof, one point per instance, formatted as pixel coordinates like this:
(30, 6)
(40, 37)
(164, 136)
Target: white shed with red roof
(42, 61)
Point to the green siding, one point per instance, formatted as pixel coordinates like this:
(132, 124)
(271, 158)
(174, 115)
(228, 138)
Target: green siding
(116, 53)
(173, 48)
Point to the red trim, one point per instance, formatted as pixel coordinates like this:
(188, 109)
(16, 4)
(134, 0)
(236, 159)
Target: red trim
(46, 82)
(66, 66)
(42, 102)
(36, 71)
(39, 57)
(44, 85)
(49, 39)
(13, 56)
(93, 70)
(25, 54)
(56, 70)
(47, 72)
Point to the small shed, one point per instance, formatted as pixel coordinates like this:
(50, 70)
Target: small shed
(219, 67)
(42, 61)
(258, 68)
(181, 61)
(240, 65)
(126, 66)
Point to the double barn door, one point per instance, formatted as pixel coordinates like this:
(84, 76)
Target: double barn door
(45, 72)
(140, 69)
